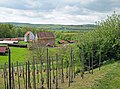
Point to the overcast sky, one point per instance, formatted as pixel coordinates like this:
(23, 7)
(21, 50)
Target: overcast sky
(57, 11)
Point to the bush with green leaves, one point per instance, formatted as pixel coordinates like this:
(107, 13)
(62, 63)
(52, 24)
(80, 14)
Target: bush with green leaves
(105, 39)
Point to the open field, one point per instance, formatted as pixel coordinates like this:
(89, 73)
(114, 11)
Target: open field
(17, 54)
(92, 63)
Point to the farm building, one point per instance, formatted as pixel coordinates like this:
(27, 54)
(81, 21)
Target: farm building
(29, 36)
(8, 42)
(3, 49)
(45, 38)
(62, 42)
(12, 39)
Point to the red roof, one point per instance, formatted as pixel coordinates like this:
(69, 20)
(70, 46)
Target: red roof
(45, 35)
(3, 49)
(62, 42)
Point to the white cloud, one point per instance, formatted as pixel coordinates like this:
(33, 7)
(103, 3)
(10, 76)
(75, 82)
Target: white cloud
(53, 12)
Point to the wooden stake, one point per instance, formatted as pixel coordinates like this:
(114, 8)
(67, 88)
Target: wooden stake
(29, 84)
(50, 71)
(71, 66)
(18, 76)
(37, 73)
(53, 71)
(26, 75)
(62, 80)
(56, 71)
(69, 76)
(23, 74)
(13, 83)
(67, 65)
(4, 75)
(9, 61)
(47, 68)
(41, 66)
(34, 78)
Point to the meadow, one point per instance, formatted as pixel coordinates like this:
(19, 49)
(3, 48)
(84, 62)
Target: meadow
(90, 63)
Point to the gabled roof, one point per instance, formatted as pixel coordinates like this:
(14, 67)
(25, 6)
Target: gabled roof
(45, 35)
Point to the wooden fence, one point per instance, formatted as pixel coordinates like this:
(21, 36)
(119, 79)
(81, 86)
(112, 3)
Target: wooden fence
(48, 74)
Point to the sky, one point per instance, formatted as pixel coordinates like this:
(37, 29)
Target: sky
(67, 12)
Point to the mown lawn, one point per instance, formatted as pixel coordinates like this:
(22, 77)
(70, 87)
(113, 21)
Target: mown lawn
(17, 54)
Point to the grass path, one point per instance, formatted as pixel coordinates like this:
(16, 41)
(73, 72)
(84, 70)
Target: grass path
(110, 81)
(90, 80)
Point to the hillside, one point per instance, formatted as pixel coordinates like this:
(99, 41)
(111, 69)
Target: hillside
(107, 78)
(56, 26)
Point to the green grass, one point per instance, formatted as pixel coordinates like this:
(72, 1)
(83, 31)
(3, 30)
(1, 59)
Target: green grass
(17, 54)
(110, 81)
(22, 42)
(106, 78)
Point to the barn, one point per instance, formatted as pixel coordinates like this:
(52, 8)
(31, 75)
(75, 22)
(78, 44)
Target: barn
(44, 38)
(29, 36)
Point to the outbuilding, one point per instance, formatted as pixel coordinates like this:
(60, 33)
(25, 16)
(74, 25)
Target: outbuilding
(44, 38)
(3, 49)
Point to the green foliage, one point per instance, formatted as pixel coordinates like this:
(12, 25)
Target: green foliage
(105, 38)
(5, 29)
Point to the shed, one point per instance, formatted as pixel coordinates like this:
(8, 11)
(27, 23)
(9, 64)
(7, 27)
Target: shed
(8, 42)
(62, 42)
(29, 36)
(3, 49)
(44, 38)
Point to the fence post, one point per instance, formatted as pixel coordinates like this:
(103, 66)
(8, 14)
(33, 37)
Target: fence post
(37, 73)
(9, 61)
(41, 66)
(69, 76)
(62, 80)
(71, 65)
(82, 60)
(29, 84)
(47, 68)
(67, 65)
(18, 76)
(53, 71)
(34, 78)
(50, 70)
(4, 75)
(56, 71)
(23, 74)
(26, 75)
(13, 85)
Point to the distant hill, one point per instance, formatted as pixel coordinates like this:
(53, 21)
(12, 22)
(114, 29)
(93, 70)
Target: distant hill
(55, 26)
